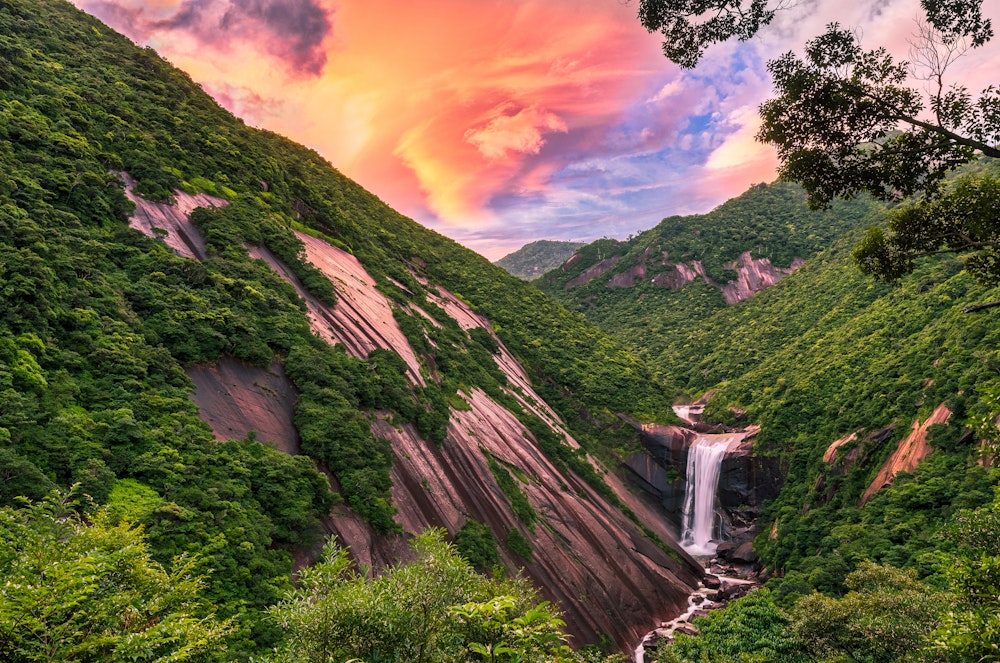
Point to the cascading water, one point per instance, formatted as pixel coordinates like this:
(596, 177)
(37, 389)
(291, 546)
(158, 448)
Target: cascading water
(703, 467)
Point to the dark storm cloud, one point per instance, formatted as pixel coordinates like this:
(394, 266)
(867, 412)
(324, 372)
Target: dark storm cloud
(293, 30)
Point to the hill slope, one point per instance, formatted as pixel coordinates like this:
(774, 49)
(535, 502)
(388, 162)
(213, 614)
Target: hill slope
(665, 280)
(835, 369)
(151, 243)
(534, 259)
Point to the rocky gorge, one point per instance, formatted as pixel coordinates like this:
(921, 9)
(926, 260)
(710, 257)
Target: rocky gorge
(745, 479)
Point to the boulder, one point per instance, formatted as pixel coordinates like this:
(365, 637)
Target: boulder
(711, 581)
(687, 629)
(744, 553)
(725, 550)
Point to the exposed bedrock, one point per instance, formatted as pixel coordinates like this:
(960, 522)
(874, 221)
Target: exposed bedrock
(171, 223)
(745, 482)
(752, 274)
(610, 580)
(237, 399)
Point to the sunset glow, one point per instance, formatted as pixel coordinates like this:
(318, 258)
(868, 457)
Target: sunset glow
(496, 122)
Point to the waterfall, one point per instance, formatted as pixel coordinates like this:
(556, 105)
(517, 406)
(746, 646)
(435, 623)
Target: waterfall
(703, 467)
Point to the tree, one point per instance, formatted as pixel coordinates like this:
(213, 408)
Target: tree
(434, 608)
(962, 220)
(886, 615)
(690, 26)
(78, 590)
(970, 629)
(494, 634)
(845, 121)
(752, 628)
(403, 614)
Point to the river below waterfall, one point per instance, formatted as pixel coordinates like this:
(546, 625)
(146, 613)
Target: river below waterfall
(700, 602)
(701, 527)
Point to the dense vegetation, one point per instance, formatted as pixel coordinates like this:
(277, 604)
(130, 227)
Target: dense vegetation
(886, 614)
(80, 585)
(534, 259)
(825, 353)
(98, 322)
(770, 221)
(829, 352)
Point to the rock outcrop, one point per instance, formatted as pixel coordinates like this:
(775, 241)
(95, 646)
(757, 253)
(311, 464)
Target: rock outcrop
(236, 399)
(752, 275)
(608, 577)
(592, 272)
(171, 223)
(909, 452)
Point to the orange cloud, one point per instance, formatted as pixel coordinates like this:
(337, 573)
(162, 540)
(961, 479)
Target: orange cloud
(457, 96)
(492, 119)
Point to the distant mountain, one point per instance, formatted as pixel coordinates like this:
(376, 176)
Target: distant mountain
(665, 280)
(534, 259)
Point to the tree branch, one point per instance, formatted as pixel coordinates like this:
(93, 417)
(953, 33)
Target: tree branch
(951, 135)
(979, 307)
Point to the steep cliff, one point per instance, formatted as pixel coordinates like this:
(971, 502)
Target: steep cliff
(610, 579)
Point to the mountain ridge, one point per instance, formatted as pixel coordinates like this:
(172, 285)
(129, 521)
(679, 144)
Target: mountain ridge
(535, 258)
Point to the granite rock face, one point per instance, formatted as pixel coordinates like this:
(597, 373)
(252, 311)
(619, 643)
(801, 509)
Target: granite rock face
(752, 274)
(609, 579)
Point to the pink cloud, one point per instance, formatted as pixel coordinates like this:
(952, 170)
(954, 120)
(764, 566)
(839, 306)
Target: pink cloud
(520, 133)
(482, 118)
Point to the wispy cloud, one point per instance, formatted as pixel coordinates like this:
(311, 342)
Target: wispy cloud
(501, 122)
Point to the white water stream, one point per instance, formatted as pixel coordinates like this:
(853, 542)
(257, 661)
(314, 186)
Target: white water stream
(701, 528)
(700, 599)
(704, 464)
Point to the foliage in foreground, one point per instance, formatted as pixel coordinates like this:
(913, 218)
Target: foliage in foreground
(81, 586)
(748, 630)
(887, 614)
(87, 590)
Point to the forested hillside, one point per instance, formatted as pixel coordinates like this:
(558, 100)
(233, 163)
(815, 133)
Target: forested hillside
(665, 280)
(535, 259)
(879, 400)
(101, 327)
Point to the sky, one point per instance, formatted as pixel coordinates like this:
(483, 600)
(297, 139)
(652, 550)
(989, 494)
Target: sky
(501, 122)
